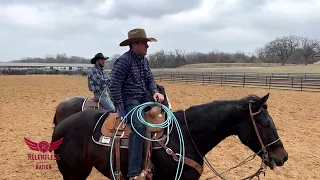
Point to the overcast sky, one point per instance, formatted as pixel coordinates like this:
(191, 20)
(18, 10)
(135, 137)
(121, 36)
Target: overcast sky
(35, 28)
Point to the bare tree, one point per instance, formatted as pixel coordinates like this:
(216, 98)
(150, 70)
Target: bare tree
(158, 59)
(180, 58)
(283, 47)
(114, 57)
(211, 57)
(307, 48)
(110, 62)
(260, 53)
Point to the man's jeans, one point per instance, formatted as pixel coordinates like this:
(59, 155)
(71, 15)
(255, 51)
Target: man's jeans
(104, 100)
(136, 143)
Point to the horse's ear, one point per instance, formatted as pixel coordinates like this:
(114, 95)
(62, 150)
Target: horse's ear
(259, 103)
(265, 98)
(262, 101)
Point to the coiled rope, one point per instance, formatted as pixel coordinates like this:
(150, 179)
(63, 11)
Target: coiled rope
(138, 110)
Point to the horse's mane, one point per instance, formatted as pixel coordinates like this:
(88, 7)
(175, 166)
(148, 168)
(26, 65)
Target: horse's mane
(250, 97)
(222, 105)
(240, 101)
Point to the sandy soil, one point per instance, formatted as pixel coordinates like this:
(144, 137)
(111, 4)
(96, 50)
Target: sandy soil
(28, 102)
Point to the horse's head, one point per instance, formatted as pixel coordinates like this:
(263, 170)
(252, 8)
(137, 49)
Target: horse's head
(257, 125)
(166, 101)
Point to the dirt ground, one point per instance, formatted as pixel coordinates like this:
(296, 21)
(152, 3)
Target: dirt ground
(27, 107)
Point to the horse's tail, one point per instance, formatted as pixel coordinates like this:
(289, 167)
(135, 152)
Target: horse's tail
(55, 120)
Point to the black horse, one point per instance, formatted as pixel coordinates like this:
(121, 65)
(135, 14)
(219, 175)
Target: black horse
(73, 105)
(206, 124)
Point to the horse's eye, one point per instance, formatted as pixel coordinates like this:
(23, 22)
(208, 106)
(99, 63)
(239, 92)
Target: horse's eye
(265, 123)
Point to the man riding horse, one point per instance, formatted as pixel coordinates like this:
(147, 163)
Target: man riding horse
(131, 80)
(98, 83)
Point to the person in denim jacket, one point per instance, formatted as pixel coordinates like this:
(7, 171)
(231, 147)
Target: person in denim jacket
(98, 83)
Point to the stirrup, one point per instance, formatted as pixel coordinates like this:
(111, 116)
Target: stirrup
(142, 176)
(118, 175)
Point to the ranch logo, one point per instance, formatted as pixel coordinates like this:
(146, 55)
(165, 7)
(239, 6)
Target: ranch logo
(43, 147)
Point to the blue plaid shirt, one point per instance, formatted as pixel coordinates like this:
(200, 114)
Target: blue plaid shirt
(97, 80)
(131, 77)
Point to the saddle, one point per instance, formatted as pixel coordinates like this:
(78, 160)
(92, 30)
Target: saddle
(91, 103)
(110, 126)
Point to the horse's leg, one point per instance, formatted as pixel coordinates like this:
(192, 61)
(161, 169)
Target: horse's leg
(75, 174)
(73, 156)
(100, 156)
(71, 171)
(74, 164)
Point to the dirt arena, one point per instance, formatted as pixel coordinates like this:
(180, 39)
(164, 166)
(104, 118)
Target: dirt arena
(28, 103)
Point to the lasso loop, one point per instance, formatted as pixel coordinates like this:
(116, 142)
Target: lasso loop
(138, 110)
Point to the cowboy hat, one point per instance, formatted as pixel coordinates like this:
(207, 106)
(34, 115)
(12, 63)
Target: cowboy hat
(98, 56)
(136, 35)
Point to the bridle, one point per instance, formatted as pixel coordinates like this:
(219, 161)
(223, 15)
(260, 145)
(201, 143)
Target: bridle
(263, 148)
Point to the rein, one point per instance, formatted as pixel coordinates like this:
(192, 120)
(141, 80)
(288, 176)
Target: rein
(263, 148)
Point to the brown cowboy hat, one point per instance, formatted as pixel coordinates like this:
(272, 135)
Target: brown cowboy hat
(136, 35)
(98, 56)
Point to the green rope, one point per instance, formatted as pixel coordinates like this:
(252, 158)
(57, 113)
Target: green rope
(170, 119)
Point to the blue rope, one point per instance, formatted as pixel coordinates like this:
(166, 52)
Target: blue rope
(170, 119)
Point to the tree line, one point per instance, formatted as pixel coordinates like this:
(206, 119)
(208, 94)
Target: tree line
(290, 49)
(59, 58)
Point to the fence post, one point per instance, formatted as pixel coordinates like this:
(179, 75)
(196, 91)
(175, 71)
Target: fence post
(266, 81)
(202, 79)
(292, 83)
(301, 85)
(269, 82)
(244, 81)
(221, 79)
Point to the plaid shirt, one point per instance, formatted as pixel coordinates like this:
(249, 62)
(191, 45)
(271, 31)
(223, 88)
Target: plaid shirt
(97, 80)
(131, 77)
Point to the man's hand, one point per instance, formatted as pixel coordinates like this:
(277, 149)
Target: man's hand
(123, 113)
(158, 97)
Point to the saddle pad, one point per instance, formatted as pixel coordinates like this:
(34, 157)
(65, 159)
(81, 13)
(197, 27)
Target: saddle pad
(89, 104)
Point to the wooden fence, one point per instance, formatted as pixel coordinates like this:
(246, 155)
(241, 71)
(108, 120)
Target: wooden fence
(217, 65)
(298, 81)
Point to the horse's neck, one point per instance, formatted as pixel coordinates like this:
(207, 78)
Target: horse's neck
(208, 127)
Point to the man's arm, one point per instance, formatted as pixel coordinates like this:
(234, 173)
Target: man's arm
(118, 74)
(150, 79)
(98, 78)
